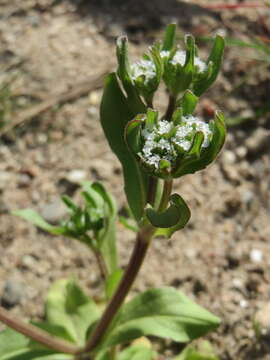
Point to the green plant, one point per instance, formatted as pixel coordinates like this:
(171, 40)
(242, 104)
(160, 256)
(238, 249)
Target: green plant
(153, 151)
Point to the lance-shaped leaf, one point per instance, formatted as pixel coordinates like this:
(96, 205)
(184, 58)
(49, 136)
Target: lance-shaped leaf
(188, 102)
(174, 218)
(166, 313)
(34, 218)
(178, 77)
(190, 164)
(115, 113)
(107, 235)
(169, 37)
(197, 145)
(133, 134)
(214, 62)
(123, 72)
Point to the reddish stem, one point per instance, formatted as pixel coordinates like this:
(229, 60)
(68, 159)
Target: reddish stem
(223, 6)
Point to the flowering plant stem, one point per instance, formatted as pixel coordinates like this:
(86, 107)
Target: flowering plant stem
(37, 334)
(143, 241)
(171, 107)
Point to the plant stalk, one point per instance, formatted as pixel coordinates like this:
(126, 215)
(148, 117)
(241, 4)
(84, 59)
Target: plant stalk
(152, 189)
(37, 334)
(167, 189)
(101, 264)
(136, 260)
(170, 109)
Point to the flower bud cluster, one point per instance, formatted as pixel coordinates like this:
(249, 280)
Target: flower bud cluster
(165, 140)
(144, 68)
(180, 58)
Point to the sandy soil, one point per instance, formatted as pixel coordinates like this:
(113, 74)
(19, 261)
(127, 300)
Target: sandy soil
(221, 259)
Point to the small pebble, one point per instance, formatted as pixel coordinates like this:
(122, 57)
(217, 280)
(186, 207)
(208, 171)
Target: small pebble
(243, 303)
(76, 176)
(256, 255)
(262, 318)
(241, 152)
(53, 212)
(228, 157)
(12, 294)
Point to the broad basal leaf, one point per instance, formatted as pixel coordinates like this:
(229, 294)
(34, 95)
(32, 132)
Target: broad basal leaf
(69, 307)
(166, 313)
(136, 352)
(15, 346)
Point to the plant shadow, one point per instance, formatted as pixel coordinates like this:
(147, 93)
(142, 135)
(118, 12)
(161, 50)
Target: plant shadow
(138, 18)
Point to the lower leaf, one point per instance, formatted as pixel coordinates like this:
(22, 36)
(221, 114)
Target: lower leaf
(166, 313)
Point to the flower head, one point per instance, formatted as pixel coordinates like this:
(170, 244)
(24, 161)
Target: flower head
(145, 69)
(170, 149)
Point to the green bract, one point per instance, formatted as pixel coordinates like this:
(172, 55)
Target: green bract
(170, 149)
(183, 69)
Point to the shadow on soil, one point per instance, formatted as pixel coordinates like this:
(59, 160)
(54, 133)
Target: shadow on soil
(138, 17)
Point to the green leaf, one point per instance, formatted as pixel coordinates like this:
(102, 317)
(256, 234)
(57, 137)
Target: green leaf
(55, 330)
(164, 219)
(133, 99)
(112, 282)
(38, 355)
(34, 218)
(115, 113)
(169, 37)
(174, 218)
(204, 351)
(166, 313)
(15, 346)
(197, 145)
(191, 164)
(12, 343)
(128, 223)
(107, 237)
(133, 134)
(69, 307)
(215, 58)
(136, 352)
(189, 102)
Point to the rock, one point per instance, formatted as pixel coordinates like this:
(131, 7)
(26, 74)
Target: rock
(231, 173)
(76, 176)
(54, 211)
(228, 157)
(12, 294)
(262, 319)
(28, 262)
(241, 152)
(256, 255)
(5, 178)
(94, 97)
(247, 196)
(258, 140)
(24, 180)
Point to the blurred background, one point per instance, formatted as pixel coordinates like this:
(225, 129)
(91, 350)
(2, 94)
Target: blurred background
(53, 57)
